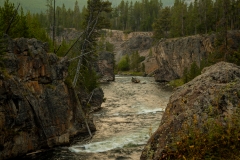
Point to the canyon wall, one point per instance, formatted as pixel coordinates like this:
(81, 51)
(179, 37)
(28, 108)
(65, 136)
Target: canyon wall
(37, 107)
(175, 54)
(126, 44)
(105, 66)
(166, 59)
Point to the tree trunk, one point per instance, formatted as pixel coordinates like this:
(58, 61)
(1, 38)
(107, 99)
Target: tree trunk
(82, 113)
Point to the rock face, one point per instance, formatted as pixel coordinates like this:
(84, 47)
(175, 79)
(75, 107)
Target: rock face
(173, 55)
(105, 66)
(67, 35)
(213, 94)
(135, 41)
(37, 108)
(138, 43)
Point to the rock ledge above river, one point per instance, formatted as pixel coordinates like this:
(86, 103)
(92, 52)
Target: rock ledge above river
(37, 108)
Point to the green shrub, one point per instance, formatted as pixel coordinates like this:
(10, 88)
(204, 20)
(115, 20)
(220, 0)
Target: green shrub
(109, 47)
(194, 71)
(141, 59)
(123, 65)
(127, 31)
(89, 79)
(176, 83)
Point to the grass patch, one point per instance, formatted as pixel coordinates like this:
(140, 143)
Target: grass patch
(213, 141)
(176, 83)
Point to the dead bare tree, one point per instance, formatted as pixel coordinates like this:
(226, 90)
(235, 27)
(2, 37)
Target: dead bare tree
(54, 23)
(86, 44)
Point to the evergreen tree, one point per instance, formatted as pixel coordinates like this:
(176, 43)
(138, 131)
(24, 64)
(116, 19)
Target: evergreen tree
(22, 27)
(194, 71)
(123, 64)
(161, 27)
(185, 75)
(94, 21)
(135, 60)
(76, 16)
(9, 17)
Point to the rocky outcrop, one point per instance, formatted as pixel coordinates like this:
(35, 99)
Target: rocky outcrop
(212, 96)
(173, 55)
(137, 43)
(37, 108)
(105, 66)
(128, 43)
(66, 34)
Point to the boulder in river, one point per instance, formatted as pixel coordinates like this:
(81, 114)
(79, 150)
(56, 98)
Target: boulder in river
(202, 117)
(135, 80)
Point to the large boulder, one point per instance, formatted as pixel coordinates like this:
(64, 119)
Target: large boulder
(213, 97)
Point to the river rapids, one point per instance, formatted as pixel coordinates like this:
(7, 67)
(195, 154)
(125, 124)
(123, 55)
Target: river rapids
(130, 114)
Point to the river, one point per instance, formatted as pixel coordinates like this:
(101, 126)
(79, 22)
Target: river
(130, 114)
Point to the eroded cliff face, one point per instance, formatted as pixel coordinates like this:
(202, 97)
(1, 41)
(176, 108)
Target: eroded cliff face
(105, 66)
(173, 55)
(135, 41)
(37, 108)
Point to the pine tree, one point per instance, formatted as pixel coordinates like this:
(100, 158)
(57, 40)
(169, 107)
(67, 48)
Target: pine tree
(161, 26)
(194, 71)
(76, 16)
(8, 18)
(22, 29)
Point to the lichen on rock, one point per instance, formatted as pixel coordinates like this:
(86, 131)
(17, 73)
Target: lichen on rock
(209, 99)
(38, 109)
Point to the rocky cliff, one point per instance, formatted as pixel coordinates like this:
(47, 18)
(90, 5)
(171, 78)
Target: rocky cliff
(105, 66)
(135, 41)
(211, 98)
(37, 108)
(173, 55)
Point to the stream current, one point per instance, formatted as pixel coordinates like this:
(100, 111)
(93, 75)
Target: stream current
(130, 114)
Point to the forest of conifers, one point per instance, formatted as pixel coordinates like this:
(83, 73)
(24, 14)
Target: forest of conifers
(181, 19)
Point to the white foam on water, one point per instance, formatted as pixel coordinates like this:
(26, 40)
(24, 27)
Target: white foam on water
(139, 137)
(141, 109)
(146, 111)
(126, 138)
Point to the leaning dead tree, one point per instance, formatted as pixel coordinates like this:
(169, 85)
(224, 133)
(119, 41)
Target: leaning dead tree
(86, 43)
